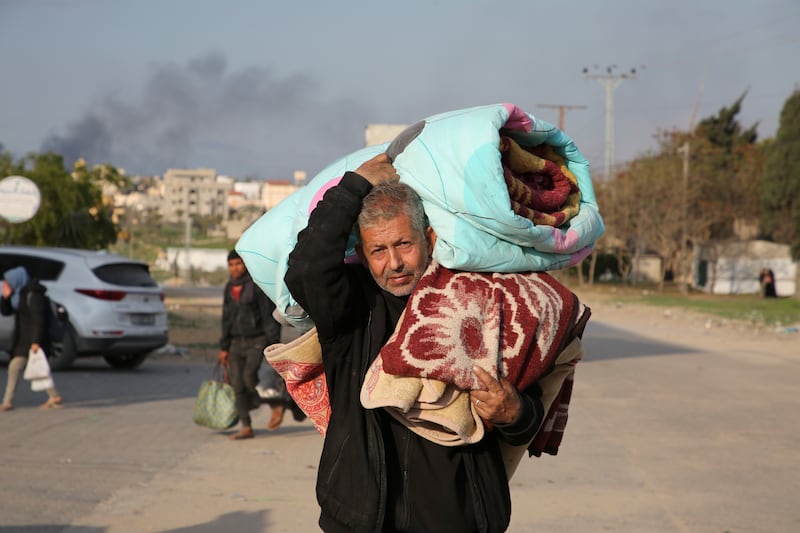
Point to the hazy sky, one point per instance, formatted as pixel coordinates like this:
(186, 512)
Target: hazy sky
(260, 88)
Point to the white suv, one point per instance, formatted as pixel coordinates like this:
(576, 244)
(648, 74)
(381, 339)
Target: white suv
(114, 307)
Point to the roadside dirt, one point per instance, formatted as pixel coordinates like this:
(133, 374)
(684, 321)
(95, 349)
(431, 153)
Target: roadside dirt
(194, 329)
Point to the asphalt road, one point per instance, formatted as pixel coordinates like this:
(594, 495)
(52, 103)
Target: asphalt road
(117, 428)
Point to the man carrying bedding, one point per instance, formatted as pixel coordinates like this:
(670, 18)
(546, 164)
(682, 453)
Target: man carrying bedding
(375, 474)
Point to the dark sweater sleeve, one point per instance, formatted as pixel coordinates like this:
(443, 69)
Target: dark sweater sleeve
(272, 329)
(227, 320)
(317, 276)
(530, 418)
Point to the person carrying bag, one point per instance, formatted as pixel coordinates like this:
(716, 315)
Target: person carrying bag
(24, 298)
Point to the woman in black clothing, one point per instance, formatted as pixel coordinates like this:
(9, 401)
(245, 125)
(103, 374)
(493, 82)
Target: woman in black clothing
(23, 297)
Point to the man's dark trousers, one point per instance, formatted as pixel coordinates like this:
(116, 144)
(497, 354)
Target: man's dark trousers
(245, 357)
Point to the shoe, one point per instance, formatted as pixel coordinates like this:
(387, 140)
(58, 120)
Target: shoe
(277, 417)
(52, 403)
(245, 433)
(268, 394)
(6, 407)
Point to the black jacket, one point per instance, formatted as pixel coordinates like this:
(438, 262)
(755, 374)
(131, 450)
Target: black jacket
(29, 319)
(251, 316)
(373, 470)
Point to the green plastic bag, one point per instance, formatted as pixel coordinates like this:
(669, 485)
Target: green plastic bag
(215, 406)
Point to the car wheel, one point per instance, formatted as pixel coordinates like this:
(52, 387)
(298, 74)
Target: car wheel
(126, 360)
(63, 352)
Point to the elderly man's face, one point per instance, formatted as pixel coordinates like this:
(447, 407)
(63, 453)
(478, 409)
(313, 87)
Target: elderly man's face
(395, 254)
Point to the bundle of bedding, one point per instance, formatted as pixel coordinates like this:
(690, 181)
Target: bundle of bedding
(509, 196)
(513, 326)
(463, 164)
(525, 327)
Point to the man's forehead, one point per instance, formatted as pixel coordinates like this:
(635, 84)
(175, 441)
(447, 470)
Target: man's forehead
(386, 231)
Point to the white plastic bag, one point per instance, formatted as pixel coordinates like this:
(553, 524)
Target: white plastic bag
(42, 384)
(37, 367)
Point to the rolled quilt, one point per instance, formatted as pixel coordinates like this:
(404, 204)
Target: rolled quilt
(463, 172)
(540, 185)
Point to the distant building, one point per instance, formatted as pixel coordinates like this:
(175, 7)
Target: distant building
(203, 259)
(274, 192)
(250, 190)
(646, 268)
(732, 267)
(194, 191)
(236, 200)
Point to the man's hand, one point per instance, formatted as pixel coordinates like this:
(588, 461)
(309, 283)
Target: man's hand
(6, 291)
(223, 357)
(499, 402)
(378, 169)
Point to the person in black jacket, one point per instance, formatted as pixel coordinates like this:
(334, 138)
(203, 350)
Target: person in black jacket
(374, 473)
(23, 297)
(247, 328)
(766, 278)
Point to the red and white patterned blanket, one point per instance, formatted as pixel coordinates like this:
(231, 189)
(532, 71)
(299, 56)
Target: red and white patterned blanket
(521, 326)
(511, 325)
(300, 364)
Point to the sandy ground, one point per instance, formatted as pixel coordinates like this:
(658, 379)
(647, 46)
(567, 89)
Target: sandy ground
(695, 436)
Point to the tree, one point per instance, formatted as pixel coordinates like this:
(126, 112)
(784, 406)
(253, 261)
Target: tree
(726, 163)
(615, 217)
(724, 131)
(72, 212)
(780, 193)
(673, 196)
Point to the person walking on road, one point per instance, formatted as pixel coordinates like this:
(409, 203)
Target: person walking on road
(24, 298)
(247, 328)
(375, 474)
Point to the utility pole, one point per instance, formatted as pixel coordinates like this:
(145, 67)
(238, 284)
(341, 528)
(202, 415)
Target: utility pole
(562, 109)
(685, 151)
(610, 81)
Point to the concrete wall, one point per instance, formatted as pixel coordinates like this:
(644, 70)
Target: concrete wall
(203, 259)
(647, 268)
(733, 268)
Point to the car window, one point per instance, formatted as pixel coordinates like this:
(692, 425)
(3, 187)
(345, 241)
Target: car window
(37, 267)
(126, 274)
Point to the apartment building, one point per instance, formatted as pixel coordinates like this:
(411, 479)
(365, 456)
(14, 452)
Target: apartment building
(194, 191)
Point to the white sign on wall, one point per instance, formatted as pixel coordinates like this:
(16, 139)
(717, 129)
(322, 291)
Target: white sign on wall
(19, 199)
